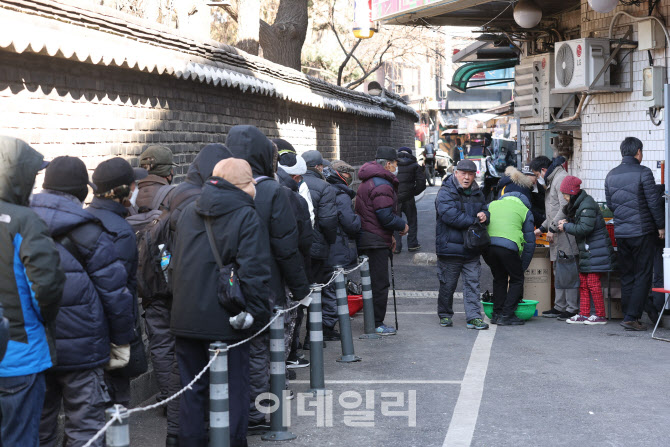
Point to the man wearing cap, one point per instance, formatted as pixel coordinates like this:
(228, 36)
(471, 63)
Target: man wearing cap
(412, 178)
(115, 181)
(325, 234)
(157, 160)
(31, 286)
(377, 206)
(95, 324)
(460, 203)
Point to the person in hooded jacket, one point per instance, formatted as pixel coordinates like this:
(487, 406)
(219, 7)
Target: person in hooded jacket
(240, 236)
(596, 255)
(31, 287)
(158, 161)
(343, 252)
(512, 246)
(114, 180)
(286, 267)
(325, 234)
(377, 206)
(552, 173)
(291, 169)
(95, 324)
(412, 178)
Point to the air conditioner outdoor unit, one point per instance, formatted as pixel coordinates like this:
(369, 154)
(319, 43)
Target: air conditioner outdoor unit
(534, 101)
(578, 62)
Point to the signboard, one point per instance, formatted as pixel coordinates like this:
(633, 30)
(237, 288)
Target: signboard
(382, 9)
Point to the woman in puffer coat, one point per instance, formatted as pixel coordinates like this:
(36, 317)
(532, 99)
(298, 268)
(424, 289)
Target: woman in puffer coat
(343, 252)
(596, 255)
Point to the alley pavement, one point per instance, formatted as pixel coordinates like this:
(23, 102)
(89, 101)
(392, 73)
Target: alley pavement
(546, 383)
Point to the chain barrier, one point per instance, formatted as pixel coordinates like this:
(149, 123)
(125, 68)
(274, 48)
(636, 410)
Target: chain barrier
(304, 302)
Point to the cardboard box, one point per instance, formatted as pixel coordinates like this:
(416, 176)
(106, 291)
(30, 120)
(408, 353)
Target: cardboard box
(615, 292)
(537, 280)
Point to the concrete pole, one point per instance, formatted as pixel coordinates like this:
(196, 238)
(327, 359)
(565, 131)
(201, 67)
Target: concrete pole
(345, 321)
(278, 429)
(368, 304)
(118, 434)
(219, 419)
(316, 375)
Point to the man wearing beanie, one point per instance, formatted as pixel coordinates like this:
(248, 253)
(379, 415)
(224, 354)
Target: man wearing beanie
(343, 252)
(157, 160)
(512, 235)
(286, 267)
(31, 287)
(596, 255)
(377, 206)
(88, 342)
(238, 236)
(325, 234)
(632, 196)
(291, 169)
(114, 181)
(412, 178)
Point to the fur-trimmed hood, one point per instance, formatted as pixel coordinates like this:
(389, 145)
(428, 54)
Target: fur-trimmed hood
(518, 177)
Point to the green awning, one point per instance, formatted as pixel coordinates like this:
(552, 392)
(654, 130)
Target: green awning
(462, 76)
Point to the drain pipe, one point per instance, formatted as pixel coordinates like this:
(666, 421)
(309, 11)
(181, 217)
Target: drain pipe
(578, 112)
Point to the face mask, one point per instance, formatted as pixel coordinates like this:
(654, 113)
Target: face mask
(395, 171)
(133, 197)
(540, 180)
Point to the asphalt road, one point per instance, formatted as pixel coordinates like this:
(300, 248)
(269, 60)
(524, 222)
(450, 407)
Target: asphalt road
(546, 383)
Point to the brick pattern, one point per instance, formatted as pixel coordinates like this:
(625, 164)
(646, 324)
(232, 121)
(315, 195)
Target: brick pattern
(94, 112)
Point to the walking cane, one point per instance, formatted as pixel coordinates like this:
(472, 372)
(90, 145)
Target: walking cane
(395, 306)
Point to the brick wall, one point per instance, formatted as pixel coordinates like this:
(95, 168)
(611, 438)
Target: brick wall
(611, 117)
(95, 112)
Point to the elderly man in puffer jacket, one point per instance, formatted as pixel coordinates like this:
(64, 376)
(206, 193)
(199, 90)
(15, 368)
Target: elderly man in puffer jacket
(31, 286)
(460, 203)
(95, 323)
(632, 196)
(510, 253)
(343, 252)
(325, 235)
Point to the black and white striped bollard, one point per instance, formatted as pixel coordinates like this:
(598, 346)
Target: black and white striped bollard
(368, 304)
(118, 434)
(317, 384)
(219, 417)
(345, 320)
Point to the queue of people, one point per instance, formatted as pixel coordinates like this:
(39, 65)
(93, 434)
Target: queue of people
(80, 279)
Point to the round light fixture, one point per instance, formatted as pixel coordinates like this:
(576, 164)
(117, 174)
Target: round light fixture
(603, 5)
(527, 14)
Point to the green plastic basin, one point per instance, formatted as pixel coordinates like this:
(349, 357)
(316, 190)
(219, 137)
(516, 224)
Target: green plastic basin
(524, 311)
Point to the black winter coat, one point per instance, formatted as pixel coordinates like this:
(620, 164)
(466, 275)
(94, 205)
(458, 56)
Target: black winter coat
(587, 225)
(301, 212)
(272, 204)
(411, 176)
(456, 211)
(31, 277)
(631, 194)
(97, 307)
(343, 252)
(325, 213)
(241, 237)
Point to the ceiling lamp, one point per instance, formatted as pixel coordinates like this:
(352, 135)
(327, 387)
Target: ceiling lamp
(527, 14)
(603, 5)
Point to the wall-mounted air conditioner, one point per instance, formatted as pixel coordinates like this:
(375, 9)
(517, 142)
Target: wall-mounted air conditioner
(534, 101)
(578, 62)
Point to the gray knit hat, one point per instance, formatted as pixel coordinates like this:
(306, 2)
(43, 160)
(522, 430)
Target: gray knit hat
(313, 158)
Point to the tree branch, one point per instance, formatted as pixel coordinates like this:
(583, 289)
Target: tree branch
(359, 81)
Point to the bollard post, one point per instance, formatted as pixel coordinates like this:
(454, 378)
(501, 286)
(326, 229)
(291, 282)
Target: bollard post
(219, 419)
(345, 321)
(317, 383)
(278, 430)
(368, 304)
(118, 434)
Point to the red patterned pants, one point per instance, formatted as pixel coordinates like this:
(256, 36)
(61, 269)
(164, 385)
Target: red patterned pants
(590, 287)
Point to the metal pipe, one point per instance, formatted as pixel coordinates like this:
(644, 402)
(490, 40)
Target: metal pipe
(578, 112)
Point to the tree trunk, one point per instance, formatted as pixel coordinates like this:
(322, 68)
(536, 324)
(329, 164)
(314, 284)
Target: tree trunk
(282, 41)
(248, 29)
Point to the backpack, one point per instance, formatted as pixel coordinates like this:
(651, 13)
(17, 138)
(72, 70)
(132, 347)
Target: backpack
(153, 258)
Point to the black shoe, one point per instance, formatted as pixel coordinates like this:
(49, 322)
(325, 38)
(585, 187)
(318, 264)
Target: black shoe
(291, 374)
(553, 313)
(417, 248)
(297, 363)
(495, 318)
(330, 334)
(258, 427)
(172, 441)
(510, 321)
(565, 315)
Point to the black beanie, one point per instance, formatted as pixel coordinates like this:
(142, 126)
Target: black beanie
(69, 175)
(112, 173)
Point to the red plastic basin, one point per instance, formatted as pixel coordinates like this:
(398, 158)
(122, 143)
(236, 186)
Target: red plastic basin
(355, 304)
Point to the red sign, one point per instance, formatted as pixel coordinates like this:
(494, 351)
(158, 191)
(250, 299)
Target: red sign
(579, 51)
(544, 63)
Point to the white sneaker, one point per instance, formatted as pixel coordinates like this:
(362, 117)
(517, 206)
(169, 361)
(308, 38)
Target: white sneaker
(595, 319)
(577, 319)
